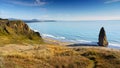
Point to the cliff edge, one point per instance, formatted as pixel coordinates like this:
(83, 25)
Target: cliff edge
(17, 31)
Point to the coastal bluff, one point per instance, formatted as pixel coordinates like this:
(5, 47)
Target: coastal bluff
(17, 31)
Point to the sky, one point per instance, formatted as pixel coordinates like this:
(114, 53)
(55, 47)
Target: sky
(61, 9)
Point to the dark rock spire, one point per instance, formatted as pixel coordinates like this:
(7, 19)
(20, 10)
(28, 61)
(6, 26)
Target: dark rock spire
(102, 41)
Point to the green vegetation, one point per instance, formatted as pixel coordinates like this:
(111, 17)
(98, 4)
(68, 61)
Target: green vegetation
(17, 32)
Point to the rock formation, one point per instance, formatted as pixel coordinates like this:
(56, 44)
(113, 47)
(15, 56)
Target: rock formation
(17, 29)
(102, 38)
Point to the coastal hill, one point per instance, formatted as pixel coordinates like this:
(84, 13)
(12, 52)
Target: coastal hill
(14, 53)
(17, 32)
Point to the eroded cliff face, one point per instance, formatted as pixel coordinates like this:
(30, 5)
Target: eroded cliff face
(102, 38)
(18, 30)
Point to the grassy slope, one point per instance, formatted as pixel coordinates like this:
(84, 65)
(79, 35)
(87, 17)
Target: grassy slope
(19, 40)
(54, 56)
(17, 32)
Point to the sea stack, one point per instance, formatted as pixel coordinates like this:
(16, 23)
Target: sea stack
(102, 38)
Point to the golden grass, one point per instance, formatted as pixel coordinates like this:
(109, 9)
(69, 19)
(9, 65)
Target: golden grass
(46, 56)
(54, 56)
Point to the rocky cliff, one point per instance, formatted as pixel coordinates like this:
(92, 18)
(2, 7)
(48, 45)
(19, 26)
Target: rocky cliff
(18, 31)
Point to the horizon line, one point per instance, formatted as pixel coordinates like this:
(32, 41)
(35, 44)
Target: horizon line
(64, 20)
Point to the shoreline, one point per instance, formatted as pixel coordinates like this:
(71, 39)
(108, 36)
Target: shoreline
(54, 41)
(74, 45)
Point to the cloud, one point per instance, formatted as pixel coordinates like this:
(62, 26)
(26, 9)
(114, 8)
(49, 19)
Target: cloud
(39, 2)
(111, 1)
(23, 3)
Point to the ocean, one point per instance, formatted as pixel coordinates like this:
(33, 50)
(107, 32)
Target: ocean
(79, 31)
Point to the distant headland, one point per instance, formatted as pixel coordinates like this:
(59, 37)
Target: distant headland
(33, 20)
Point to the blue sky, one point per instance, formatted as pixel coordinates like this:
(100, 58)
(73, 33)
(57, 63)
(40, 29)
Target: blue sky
(61, 9)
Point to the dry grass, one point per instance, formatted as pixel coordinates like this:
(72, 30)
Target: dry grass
(54, 56)
(49, 56)
(102, 57)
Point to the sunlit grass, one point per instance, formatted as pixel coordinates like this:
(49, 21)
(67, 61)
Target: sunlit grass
(53, 56)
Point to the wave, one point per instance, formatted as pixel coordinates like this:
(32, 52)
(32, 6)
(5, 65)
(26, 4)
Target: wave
(114, 44)
(52, 36)
(86, 42)
(36, 30)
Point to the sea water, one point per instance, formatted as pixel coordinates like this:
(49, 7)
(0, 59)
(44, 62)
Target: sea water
(79, 31)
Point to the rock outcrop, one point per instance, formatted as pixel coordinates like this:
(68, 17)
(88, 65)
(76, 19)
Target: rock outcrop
(17, 29)
(102, 38)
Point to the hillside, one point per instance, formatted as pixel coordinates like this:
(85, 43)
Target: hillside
(17, 32)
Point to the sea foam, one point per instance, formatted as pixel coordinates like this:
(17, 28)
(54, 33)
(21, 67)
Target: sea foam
(52, 36)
